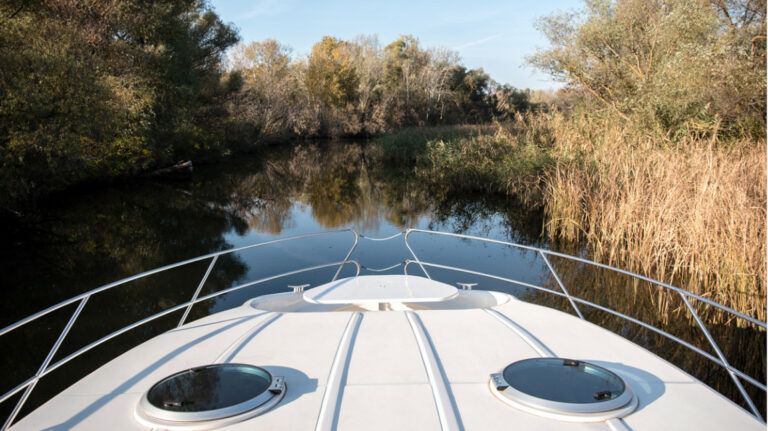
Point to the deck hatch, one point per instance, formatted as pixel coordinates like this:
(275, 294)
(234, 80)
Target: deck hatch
(564, 389)
(210, 394)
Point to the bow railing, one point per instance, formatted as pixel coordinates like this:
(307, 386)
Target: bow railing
(49, 366)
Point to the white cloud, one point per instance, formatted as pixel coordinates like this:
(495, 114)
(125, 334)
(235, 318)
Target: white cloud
(478, 42)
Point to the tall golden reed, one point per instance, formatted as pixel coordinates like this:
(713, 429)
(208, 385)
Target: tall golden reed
(690, 212)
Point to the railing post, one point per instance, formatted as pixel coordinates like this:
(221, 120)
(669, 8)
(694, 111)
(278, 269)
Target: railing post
(354, 246)
(405, 239)
(197, 292)
(567, 295)
(720, 355)
(45, 364)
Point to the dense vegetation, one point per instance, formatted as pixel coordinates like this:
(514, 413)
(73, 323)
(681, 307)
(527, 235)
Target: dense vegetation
(653, 151)
(357, 87)
(682, 67)
(99, 89)
(102, 88)
(667, 173)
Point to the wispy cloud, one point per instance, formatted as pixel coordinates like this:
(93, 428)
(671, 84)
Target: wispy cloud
(266, 8)
(478, 42)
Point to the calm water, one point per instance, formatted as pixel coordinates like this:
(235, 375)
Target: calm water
(82, 239)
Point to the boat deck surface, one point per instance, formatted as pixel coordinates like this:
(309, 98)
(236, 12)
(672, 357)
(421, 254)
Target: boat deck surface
(383, 379)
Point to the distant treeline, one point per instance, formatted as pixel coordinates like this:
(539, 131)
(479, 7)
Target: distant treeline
(105, 88)
(359, 87)
(99, 89)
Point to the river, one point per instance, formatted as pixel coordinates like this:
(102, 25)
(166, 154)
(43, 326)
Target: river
(83, 238)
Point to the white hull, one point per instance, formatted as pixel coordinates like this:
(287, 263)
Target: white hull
(423, 362)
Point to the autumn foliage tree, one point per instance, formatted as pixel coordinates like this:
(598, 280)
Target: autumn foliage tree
(358, 87)
(268, 86)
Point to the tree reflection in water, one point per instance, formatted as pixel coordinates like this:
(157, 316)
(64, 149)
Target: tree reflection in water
(85, 238)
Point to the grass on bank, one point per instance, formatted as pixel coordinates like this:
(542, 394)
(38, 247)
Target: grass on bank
(469, 158)
(690, 212)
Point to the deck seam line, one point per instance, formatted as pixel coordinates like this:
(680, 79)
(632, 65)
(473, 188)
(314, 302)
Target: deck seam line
(446, 411)
(233, 349)
(327, 417)
(617, 424)
(523, 333)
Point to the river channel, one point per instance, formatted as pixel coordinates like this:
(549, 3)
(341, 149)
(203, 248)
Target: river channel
(84, 238)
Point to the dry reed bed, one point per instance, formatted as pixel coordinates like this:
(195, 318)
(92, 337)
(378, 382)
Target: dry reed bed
(692, 212)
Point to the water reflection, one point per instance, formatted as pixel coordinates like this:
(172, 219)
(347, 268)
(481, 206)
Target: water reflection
(742, 343)
(83, 239)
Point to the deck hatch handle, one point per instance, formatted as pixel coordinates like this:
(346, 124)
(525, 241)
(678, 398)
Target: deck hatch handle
(603, 395)
(499, 382)
(278, 385)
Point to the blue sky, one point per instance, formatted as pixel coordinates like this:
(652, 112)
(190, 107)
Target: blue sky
(495, 35)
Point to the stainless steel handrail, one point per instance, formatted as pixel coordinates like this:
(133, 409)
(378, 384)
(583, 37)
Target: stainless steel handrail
(601, 265)
(721, 360)
(29, 384)
(600, 307)
(382, 269)
(158, 270)
(47, 367)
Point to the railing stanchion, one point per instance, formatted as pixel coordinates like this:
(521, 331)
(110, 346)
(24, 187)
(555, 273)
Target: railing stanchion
(156, 271)
(405, 239)
(600, 265)
(557, 278)
(45, 364)
(197, 292)
(720, 355)
(354, 246)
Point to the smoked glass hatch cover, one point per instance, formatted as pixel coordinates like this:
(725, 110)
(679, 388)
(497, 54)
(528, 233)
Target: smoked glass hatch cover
(562, 386)
(211, 392)
(565, 381)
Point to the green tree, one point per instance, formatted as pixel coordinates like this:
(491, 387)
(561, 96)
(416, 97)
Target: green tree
(667, 64)
(331, 80)
(191, 116)
(103, 88)
(506, 100)
(470, 88)
(403, 63)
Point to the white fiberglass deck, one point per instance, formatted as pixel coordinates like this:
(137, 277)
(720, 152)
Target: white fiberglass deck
(381, 288)
(420, 369)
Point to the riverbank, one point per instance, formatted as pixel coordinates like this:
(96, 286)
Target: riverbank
(689, 212)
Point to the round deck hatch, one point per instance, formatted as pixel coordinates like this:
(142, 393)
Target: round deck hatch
(564, 389)
(215, 395)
